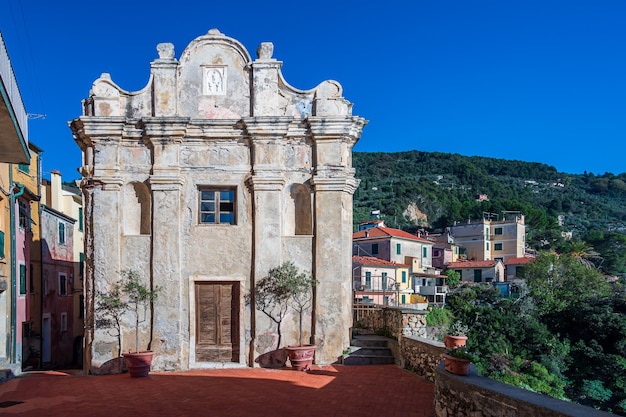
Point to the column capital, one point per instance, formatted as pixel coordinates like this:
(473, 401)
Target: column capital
(105, 183)
(165, 183)
(263, 183)
(343, 184)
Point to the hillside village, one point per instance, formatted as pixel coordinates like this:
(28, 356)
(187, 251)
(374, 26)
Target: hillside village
(396, 268)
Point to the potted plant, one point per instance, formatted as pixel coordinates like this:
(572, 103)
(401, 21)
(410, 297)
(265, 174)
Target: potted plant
(271, 297)
(455, 334)
(300, 288)
(283, 288)
(128, 294)
(457, 360)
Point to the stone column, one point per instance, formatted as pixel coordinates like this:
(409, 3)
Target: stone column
(334, 185)
(170, 332)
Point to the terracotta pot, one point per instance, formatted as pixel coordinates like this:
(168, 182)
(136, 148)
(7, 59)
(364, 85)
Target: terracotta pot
(138, 363)
(301, 357)
(454, 365)
(452, 342)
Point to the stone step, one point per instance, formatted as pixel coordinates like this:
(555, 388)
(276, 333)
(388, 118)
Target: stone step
(367, 341)
(367, 360)
(368, 350)
(371, 351)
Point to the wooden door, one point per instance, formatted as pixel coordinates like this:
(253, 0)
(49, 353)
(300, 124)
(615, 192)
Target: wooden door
(217, 321)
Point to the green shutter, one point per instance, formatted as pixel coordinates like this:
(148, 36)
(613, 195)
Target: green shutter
(1, 244)
(24, 168)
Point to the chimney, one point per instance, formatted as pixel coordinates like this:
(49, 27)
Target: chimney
(55, 192)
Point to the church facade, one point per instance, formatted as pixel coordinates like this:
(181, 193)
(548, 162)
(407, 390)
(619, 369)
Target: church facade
(214, 173)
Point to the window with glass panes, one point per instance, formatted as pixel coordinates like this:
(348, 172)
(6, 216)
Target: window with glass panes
(217, 206)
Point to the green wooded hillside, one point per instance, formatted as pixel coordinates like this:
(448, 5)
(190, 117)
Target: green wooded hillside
(432, 190)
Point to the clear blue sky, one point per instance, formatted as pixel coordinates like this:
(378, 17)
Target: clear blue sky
(535, 80)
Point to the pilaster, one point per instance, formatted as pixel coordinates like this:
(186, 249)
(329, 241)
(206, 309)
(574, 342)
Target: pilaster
(171, 333)
(332, 268)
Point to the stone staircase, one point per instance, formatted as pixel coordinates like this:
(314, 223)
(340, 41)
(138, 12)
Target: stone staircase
(369, 350)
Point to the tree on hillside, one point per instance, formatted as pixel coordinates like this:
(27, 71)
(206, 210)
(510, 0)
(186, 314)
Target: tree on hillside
(580, 306)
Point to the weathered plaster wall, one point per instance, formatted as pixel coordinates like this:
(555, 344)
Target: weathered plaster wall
(218, 118)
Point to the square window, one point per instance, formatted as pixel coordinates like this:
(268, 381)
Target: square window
(497, 246)
(218, 206)
(497, 231)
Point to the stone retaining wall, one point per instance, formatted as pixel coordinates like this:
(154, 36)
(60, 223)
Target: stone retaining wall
(460, 396)
(421, 356)
(473, 395)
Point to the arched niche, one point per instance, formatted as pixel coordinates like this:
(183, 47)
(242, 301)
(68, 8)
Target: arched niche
(136, 209)
(298, 218)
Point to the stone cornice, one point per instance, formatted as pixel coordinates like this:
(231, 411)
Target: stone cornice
(159, 129)
(333, 128)
(227, 129)
(88, 128)
(267, 127)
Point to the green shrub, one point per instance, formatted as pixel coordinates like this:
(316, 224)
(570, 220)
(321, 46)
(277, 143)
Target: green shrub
(439, 317)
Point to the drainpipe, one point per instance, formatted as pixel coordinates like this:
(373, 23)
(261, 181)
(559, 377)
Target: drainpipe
(12, 199)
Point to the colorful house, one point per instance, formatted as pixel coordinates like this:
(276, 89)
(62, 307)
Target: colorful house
(394, 245)
(479, 271)
(376, 281)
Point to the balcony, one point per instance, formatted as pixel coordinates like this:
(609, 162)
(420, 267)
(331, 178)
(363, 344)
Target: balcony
(431, 289)
(13, 118)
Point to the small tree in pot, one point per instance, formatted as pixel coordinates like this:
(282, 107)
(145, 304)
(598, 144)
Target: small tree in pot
(271, 297)
(300, 287)
(286, 287)
(129, 294)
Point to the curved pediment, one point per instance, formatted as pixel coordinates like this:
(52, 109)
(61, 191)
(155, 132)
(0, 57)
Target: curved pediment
(216, 78)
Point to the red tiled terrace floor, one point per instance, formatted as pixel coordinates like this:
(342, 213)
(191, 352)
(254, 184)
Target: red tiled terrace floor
(342, 391)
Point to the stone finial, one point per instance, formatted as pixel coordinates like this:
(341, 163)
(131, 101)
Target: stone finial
(165, 50)
(214, 31)
(265, 50)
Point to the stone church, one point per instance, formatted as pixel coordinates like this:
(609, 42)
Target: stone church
(214, 173)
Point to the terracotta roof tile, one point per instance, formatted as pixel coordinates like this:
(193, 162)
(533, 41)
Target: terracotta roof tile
(519, 261)
(472, 264)
(370, 260)
(383, 232)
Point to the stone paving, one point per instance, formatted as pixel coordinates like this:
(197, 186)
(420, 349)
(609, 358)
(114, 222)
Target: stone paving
(337, 390)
